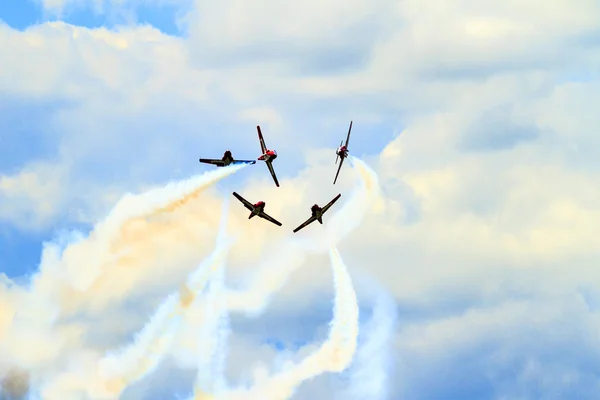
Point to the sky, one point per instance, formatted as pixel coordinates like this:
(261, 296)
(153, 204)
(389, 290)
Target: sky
(474, 250)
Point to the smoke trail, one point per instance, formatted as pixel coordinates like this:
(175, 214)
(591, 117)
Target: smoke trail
(129, 365)
(163, 199)
(110, 241)
(213, 339)
(220, 361)
(269, 278)
(334, 355)
(155, 339)
(368, 374)
(116, 371)
(210, 380)
(275, 272)
(273, 275)
(223, 332)
(350, 216)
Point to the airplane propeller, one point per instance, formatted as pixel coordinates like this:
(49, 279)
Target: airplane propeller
(336, 153)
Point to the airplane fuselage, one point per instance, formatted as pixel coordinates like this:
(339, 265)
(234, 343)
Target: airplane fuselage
(342, 151)
(258, 208)
(270, 155)
(227, 157)
(317, 212)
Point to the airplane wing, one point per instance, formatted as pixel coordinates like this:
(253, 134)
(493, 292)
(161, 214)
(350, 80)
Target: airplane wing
(263, 147)
(266, 216)
(338, 170)
(305, 223)
(245, 202)
(328, 205)
(348, 137)
(272, 171)
(235, 162)
(218, 163)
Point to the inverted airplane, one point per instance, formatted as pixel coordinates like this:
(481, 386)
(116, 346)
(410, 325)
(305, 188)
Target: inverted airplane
(257, 209)
(317, 213)
(342, 153)
(226, 160)
(267, 155)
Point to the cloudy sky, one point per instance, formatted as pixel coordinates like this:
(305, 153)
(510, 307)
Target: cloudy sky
(477, 266)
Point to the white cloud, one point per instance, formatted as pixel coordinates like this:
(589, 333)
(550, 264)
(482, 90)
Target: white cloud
(490, 190)
(33, 197)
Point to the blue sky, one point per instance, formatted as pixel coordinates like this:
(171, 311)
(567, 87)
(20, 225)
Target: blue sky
(24, 125)
(481, 133)
(20, 15)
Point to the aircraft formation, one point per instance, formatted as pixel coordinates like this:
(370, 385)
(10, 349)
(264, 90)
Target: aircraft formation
(268, 156)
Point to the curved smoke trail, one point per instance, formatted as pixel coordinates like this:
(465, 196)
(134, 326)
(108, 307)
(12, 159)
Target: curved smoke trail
(109, 377)
(272, 275)
(333, 356)
(118, 370)
(350, 216)
(123, 237)
(212, 338)
(367, 377)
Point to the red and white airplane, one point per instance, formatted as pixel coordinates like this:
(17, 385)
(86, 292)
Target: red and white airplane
(342, 153)
(267, 155)
(257, 209)
(226, 160)
(317, 213)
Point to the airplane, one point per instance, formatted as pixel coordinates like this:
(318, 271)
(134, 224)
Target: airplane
(342, 152)
(317, 213)
(256, 209)
(226, 160)
(267, 155)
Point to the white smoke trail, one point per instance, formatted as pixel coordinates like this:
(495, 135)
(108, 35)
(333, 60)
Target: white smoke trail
(213, 337)
(169, 196)
(350, 216)
(272, 275)
(370, 369)
(211, 357)
(333, 356)
(118, 370)
(269, 278)
(116, 376)
(131, 207)
(223, 332)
